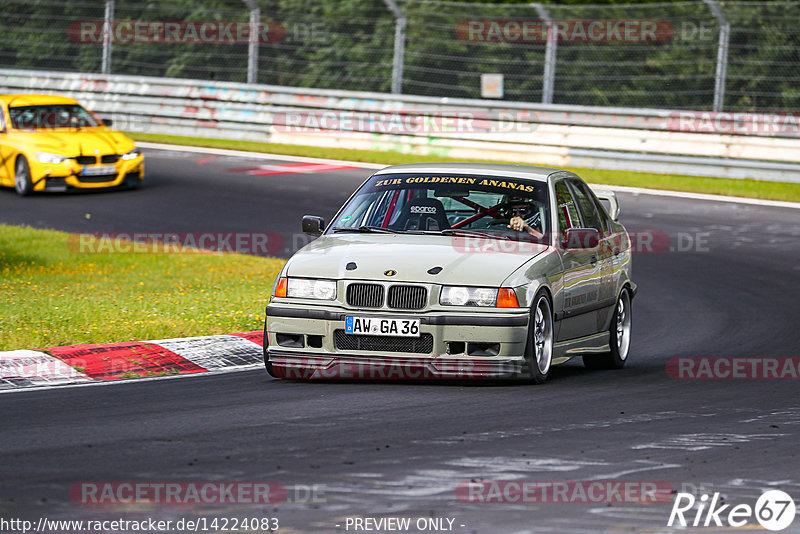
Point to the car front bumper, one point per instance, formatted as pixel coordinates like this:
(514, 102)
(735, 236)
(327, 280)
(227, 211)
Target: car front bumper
(68, 175)
(310, 343)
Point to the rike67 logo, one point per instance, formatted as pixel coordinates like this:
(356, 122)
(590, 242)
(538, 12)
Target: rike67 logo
(774, 510)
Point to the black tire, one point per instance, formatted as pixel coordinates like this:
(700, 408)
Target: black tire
(133, 182)
(268, 366)
(539, 348)
(619, 338)
(265, 344)
(23, 182)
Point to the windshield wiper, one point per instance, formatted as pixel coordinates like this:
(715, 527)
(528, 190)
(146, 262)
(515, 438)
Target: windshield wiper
(459, 231)
(365, 229)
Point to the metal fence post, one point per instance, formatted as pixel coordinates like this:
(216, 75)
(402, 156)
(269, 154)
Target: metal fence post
(252, 49)
(548, 79)
(722, 54)
(399, 46)
(108, 35)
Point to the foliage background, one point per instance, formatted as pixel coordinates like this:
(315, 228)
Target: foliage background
(348, 44)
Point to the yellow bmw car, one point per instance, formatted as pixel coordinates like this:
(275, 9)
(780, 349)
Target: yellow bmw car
(52, 143)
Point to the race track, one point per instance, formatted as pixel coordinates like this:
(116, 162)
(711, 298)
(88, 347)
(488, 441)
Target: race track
(402, 449)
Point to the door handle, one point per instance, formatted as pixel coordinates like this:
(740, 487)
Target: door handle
(593, 260)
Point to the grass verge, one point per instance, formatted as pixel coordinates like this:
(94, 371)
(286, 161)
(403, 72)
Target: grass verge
(51, 295)
(694, 184)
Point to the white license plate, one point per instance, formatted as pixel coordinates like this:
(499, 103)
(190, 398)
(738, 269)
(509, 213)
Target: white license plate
(99, 170)
(380, 326)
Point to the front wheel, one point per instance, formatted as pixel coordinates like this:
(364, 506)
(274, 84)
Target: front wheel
(134, 182)
(23, 183)
(268, 366)
(539, 349)
(265, 344)
(619, 337)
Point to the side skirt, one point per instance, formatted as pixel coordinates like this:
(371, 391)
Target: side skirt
(595, 344)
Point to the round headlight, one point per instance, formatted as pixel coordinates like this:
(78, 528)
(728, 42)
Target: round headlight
(458, 296)
(304, 288)
(325, 290)
(485, 297)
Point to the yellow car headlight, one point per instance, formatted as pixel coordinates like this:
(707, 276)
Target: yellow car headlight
(133, 154)
(47, 157)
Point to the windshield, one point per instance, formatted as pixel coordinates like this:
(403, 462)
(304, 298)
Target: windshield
(50, 117)
(499, 207)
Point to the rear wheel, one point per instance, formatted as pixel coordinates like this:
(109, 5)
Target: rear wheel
(23, 183)
(539, 349)
(619, 338)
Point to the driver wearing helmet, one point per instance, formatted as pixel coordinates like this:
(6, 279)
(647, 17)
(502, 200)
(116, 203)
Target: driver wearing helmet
(523, 217)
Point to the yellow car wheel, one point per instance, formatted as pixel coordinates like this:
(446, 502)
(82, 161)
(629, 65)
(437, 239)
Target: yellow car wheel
(23, 182)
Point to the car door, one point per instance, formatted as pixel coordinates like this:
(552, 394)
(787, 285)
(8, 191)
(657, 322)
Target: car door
(594, 217)
(582, 271)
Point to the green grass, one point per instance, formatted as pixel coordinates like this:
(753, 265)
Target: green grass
(695, 184)
(51, 295)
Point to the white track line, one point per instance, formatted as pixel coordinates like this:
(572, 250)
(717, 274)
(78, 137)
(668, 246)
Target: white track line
(621, 189)
(699, 196)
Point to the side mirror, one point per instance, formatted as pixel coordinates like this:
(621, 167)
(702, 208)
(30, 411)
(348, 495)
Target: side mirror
(313, 225)
(608, 196)
(581, 238)
(108, 122)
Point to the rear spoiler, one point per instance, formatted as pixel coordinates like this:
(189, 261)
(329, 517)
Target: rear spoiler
(610, 197)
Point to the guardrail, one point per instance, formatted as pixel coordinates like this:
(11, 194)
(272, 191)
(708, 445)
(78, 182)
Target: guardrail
(765, 147)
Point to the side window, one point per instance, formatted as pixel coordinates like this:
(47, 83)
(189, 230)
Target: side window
(567, 212)
(603, 213)
(587, 206)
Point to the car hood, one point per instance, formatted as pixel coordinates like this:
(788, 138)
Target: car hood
(463, 261)
(71, 143)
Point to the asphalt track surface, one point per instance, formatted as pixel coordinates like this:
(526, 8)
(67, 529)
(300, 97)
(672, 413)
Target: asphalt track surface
(401, 449)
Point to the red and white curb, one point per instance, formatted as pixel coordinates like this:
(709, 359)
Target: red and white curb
(78, 364)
